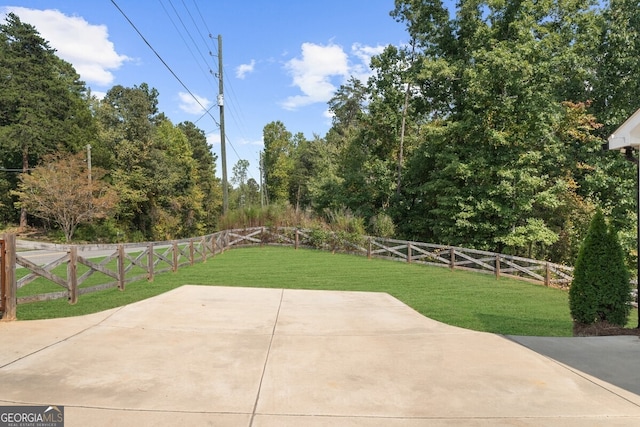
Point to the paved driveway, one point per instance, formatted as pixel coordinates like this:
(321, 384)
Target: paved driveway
(267, 357)
(613, 359)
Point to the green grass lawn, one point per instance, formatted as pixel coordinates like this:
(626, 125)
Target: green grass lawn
(466, 299)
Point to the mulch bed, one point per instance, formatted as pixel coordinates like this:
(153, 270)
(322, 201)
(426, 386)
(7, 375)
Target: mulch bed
(602, 329)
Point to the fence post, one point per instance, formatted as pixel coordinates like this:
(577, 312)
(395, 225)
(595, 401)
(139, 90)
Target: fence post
(10, 283)
(203, 246)
(297, 238)
(174, 246)
(191, 252)
(121, 259)
(369, 248)
(452, 258)
(547, 276)
(150, 262)
(409, 252)
(3, 282)
(497, 266)
(72, 275)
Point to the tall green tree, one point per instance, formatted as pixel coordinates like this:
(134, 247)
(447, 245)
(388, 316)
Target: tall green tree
(494, 168)
(43, 107)
(175, 199)
(210, 186)
(617, 78)
(239, 174)
(165, 173)
(126, 122)
(324, 184)
(361, 147)
(277, 161)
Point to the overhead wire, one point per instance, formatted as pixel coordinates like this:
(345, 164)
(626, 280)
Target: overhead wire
(163, 61)
(204, 22)
(184, 41)
(189, 33)
(235, 115)
(195, 25)
(207, 111)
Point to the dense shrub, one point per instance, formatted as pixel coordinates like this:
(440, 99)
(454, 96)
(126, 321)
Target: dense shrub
(102, 231)
(274, 215)
(382, 225)
(344, 220)
(600, 288)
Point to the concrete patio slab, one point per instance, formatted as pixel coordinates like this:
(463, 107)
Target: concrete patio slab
(270, 357)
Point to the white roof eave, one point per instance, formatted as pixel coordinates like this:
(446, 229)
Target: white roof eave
(627, 135)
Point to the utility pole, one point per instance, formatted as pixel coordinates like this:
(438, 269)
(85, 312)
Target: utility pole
(223, 150)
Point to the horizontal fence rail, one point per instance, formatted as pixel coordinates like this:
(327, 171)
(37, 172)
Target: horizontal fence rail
(91, 268)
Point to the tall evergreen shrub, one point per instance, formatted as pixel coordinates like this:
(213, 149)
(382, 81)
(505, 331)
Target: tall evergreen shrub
(600, 288)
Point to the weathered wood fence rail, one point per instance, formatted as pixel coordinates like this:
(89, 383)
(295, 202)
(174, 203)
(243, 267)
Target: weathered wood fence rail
(118, 265)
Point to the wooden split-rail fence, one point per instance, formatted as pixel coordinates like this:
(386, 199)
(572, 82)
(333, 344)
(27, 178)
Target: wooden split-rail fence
(91, 268)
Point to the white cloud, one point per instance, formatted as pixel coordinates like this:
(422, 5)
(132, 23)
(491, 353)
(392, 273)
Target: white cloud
(315, 72)
(362, 70)
(328, 116)
(257, 142)
(189, 105)
(98, 94)
(244, 69)
(85, 46)
(213, 138)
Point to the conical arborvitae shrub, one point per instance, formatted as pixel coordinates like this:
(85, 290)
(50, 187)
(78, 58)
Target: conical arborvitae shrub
(600, 290)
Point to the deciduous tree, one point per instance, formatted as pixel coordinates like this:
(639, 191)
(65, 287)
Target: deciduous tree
(59, 190)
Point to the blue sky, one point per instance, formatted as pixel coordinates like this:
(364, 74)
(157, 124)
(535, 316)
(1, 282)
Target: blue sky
(282, 59)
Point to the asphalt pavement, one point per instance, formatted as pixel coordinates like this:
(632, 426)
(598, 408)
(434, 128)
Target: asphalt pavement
(615, 360)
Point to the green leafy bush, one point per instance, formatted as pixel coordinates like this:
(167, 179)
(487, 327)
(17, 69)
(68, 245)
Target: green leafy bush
(319, 238)
(382, 225)
(600, 288)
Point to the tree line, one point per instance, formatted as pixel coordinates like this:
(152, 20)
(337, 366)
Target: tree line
(484, 131)
(116, 167)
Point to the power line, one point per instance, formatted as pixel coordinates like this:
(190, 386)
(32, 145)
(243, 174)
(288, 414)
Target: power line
(163, 61)
(205, 25)
(206, 110)
(195, 25)
(239, 122)
(185, 42)
(189, 33)
(205, 113)
(233, 111)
